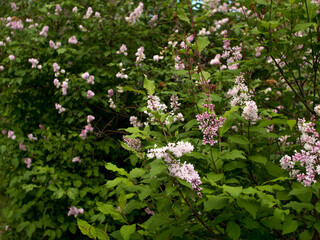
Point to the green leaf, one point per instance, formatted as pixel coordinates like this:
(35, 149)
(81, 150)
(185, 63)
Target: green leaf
(234, 154)
(233, 230)
(114, 168)
(101, 234)
(131, 89)
(213, 178)
(233, 191)
(299, 206)
(202, 42)
(58, 194)
(190, 124)
(30, 229)
(258, 159)
(301, 192)
(22, 225)
(291, 123)
(127, 230)
(149, 85)
(109, 209)
(137, 172)
(182, 15)
(215, 202)
(289, 226)
(86, 228)
(250, 204)
(73, 193)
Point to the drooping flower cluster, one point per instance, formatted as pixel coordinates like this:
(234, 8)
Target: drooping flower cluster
(14, 23)
(135, 122)
(76, 159)
(90, 94)
(54, 45)
(11, 135)
(73, 40)
(134, 143)
(60, 108)
(209, 123)
(123, 49)
(121, 74)
(88, 77)
(135, 15)
(183, 171)
(88, 128)
(140, 55)
(75, 211)
(241, 96)
(28, 162)
(34, 63)
(31, 137)
(88, 13)
(250, 111)
(308, 160)
(44, 31)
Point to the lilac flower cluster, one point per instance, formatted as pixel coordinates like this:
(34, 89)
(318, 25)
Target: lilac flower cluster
(88, 128)
(59, 108)
(135, 122)
(308, 159)
(89, 78)
(75, 211)
(123, 50)
(240, 96)
(76, 159)
(134, 143)
(44, 31)
(135, 15)
(183, 171)
(28, 162)
(54, 45)
(34, 63)
(14, 23)
(155, 105)
(209, 123)
(140, 55)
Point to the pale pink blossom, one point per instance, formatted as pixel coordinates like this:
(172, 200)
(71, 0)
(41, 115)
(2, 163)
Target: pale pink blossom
(90, 94)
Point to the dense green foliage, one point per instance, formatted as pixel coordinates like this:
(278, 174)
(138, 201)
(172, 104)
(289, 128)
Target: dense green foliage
(86, 172)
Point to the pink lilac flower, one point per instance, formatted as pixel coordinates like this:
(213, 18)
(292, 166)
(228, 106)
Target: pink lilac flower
(156, 58)
(140, 55)
(1, 68)
(123, 49)
(64, 87)
(73, 40)
(88, 13)
(97, 15)
(60, 108)
(183, 171)
(76, 159)
(56, 83)
(135, 15)
(216, 60)
(28, 162)
(15, 24)
(250, 111)
(56, 67)
(203, 32)
(75, 211)
(54, 45)
(31, 137)
(85, 76)
(135, 122)
(90, 94)
(75, 10)
(209, 123)
(190, 38)
(58, 9)
(90, 118)
(88, 128)
(13, 7)
(11, 135)
(34, 62)
(110, 93)
(22, 146)
(134, 143)
(112, 104)
(148, 211)
(44, 31)
(12, 57)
